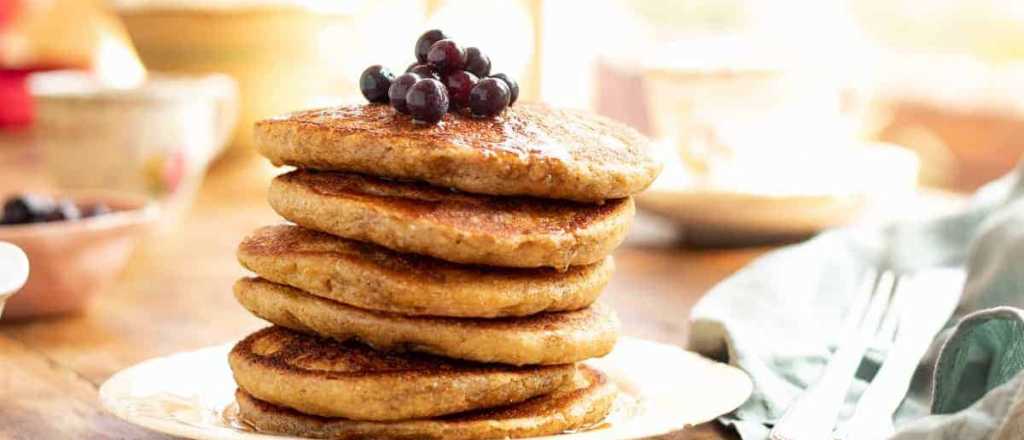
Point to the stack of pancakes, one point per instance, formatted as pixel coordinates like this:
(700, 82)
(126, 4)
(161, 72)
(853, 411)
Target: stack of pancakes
(439, 281)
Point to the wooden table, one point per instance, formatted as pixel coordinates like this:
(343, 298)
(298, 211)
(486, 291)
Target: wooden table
(176, 295)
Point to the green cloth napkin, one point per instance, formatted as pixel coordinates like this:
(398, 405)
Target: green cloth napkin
(778, 319)
(979, 387)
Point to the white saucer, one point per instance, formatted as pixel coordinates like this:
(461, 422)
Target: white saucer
(663, 389)
(766, 208)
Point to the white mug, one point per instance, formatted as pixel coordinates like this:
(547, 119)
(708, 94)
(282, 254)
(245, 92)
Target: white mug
(146, 140)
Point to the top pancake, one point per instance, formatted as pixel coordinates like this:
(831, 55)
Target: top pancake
(529, 150)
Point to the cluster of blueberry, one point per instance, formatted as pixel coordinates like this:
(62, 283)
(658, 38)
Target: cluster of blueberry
(445, 77)
(31, 208)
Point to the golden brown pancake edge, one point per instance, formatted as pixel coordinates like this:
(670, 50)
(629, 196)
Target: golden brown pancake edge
(375, 278)
(322, 376)
(542, 339)
(579, 406)
(458, 227)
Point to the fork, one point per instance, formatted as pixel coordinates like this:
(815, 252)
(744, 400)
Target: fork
(814, 414)
(927, 304)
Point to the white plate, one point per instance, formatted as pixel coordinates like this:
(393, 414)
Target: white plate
(13, 271)
(663, 389)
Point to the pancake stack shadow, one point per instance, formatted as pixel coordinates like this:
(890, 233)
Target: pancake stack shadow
(436, 281)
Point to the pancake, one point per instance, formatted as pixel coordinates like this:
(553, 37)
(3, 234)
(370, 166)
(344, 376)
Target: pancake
(453, 226)
(547, 338)
(579, 405)
(375, 278)
(530, 150)
(324, 377)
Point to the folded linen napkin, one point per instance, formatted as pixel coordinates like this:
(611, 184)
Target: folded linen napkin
(778, 318)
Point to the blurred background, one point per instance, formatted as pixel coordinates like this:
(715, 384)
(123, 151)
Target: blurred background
(730, 84)
(774, 119)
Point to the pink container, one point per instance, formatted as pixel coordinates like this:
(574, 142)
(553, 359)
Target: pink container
(72, 261)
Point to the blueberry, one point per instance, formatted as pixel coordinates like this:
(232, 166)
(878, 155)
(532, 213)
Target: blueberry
(459, 85)
(425, 41)
(513, 87)
(96, 209)
(17, 210)
(64, 210)
(399, 88)
(26, 208)
(446, 56)
(374, 83)
(477, 62)
(424, 71)
(489, 97)
(427, 101)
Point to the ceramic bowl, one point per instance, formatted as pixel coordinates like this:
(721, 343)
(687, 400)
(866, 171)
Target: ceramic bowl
(74, 260)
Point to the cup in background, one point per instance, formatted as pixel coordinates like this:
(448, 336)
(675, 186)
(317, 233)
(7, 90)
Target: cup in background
(270, 48)
(154, 140)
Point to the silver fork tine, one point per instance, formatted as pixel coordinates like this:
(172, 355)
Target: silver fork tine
(814, 414)
(923, 309)
(891, 321)
(859, 306)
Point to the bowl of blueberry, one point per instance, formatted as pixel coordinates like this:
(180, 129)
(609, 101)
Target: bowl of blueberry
(445, 78)
(76, 245)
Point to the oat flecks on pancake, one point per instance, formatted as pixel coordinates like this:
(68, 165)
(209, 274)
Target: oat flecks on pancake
(529, 150)
(584, 403)
(325, 377)
(546, 338)
(453, 226)
(376, 278)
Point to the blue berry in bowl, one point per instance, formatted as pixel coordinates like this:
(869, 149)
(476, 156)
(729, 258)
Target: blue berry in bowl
(513, 86)
(375, 82)
(446, 56)
(425, 41)
(477, 62)
(26, 208)
(489, 97)
(64, 210)
(459, 85)
(399, 88)
(96, 209)
(427, 101)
